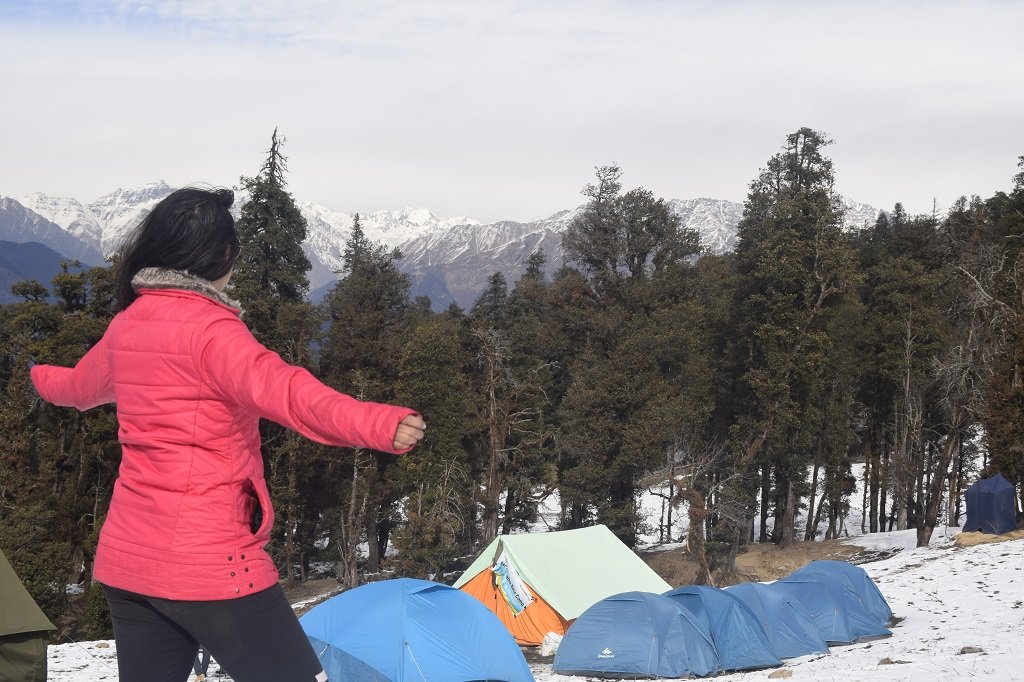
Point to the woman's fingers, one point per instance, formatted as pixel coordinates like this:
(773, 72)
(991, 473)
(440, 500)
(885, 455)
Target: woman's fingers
(409, 432)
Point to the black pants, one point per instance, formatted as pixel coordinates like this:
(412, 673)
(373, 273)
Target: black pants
(253, 638)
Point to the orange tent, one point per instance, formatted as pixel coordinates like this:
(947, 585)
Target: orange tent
(528, 626)
(538, 583)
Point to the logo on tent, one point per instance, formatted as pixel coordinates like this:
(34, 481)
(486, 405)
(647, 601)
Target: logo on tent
(607, 653)
(512, 587)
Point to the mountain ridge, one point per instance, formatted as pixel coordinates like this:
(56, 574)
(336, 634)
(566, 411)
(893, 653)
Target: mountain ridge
(448, 259)
(25, 261)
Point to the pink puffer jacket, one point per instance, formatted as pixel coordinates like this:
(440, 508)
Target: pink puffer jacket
(190, 383)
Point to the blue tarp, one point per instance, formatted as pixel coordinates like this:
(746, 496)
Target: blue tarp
(740, 640)
(636, 635)
(407, 630)
(857, 583)
(839, 619)
(786, 623)
(991, 506)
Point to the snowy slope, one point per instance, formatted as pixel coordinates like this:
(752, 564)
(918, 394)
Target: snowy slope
(960, 614)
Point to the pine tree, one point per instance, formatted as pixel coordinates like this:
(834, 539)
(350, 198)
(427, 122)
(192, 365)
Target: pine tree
(58, 465)
(270, 281)
(538, 354)
(904, 329)
(490, 308)
(369, 321)
(508, 384)
(440, 497)
(367, 310)
(271, 268)
(620, 236)
(622, 408)
(794, 266)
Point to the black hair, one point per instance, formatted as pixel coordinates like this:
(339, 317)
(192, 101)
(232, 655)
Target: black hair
(191, 229)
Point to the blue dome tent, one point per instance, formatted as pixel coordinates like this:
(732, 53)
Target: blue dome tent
(840, 620)
(786, 623)
(740, 640)
(636, 635)
(858, 585)
(991, 506)
(407, 630)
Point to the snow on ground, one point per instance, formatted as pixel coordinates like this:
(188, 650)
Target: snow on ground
(960, 612)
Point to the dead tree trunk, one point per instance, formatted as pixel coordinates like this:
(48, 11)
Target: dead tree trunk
(697, 513)
(766, 491)
(926, 525)
(811, 531)
(352, 522)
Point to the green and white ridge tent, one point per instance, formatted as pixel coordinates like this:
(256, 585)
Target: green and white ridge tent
(564, 572)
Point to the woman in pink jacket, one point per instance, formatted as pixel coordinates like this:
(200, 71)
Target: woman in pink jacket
(181, 554)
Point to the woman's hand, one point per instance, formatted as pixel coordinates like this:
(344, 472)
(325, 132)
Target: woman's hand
(409, 432)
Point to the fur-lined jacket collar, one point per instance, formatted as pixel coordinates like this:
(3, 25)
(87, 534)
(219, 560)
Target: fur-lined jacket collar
(165, 278)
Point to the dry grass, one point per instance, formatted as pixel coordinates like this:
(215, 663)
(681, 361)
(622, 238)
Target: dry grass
(758, 562)
(978, 538)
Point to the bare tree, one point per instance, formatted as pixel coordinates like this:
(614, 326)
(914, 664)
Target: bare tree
(352, 516)
(909, 423)
(511, 413)
(961, 375)
(352, 521)
(691, 473)
(434, 527)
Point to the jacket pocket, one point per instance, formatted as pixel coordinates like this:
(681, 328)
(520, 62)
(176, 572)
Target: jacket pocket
(256, 518)
(262, 518)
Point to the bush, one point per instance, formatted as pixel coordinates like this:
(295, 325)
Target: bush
(96, 622)
(40, 562)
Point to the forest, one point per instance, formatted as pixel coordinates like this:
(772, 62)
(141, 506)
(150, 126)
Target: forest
(751, 382)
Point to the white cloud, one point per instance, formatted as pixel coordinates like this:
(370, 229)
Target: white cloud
(501, 109)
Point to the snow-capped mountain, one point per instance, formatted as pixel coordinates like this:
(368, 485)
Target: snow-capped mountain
(714, 219)
(69, 214)
(327, 231)
(104, 223)
(20, 224)
(454, 263)
(857, 215)
(120, 211)
(448, 259)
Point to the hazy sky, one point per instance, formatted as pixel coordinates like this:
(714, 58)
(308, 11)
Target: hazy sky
(501, 109)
